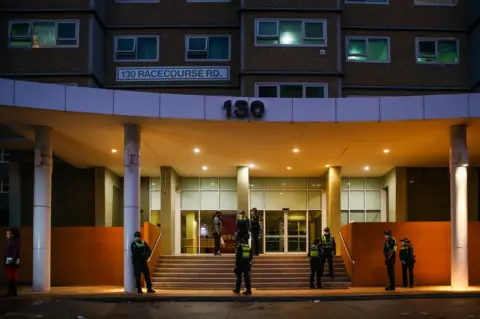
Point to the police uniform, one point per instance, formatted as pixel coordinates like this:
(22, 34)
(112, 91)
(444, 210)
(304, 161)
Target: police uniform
(243, 266)
(255, 229)
(140, 254)
(315, 255)
(408, 260)
(243, 227)
(329, 249)
(389, 250)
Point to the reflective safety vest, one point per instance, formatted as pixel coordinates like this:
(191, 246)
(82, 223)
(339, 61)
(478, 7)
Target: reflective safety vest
(314, 252)
(327, 242)
(245, 251)
(140, 244)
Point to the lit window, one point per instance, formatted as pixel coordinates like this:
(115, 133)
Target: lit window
(43, 34)
(291, 32)
(437, 51)
(212, 48)
(435, 2)
(292, 90)
(136, 48)
(368, 49)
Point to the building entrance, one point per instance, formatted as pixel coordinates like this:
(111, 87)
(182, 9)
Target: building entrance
(285, 231)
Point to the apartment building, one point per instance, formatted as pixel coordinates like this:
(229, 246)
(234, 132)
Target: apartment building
(265, 48)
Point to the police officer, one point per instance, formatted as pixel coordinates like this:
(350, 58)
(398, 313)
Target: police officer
(140, 254)
(329, 249)
(408, 260)
(389, 251)
(243, 266)
(243, 227)
(256, 228)
(315, 264)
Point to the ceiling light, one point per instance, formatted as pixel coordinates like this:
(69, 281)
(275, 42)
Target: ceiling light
(366, 168)
(386, 151)
(113, 150)
(296, 150)
(289, 168)
(328, 165)
(465, 165)
(196, 150)
(251, 165)
(153, 184)
(204, 168)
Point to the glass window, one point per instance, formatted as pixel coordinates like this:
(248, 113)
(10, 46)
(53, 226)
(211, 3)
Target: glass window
(435, 2)
(208, 48)
(368, 50)
(136, 48)
(367, 1)
(291, 32)
(292, 90)
(442, 51)
(43, 34)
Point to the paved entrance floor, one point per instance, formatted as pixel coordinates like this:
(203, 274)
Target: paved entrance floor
(392, 309)
(116, 294)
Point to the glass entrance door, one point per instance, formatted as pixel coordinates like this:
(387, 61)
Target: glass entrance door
(285, 231)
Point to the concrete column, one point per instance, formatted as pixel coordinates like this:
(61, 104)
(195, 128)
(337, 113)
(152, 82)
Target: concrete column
(169, 211)
(131, 200)
(333, 182)
(243, 188)
(459, 207)
(14, 195)
(42, 214)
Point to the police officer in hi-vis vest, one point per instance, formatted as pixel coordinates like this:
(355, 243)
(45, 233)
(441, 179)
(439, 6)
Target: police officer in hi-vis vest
(315, 264)
(243, 266)
(390, 251)
(408, 260)
(140, 254)
(329, 249)
(255, 228)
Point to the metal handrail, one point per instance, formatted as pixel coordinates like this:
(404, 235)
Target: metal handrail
(346, 249)
(155, 246)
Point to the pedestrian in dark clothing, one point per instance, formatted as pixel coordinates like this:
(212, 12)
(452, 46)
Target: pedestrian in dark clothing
(140, 254)
(256, 229)
(243, 227)
(217, 232)
(12, 261)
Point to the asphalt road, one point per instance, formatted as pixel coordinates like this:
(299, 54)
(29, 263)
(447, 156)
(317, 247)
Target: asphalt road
(385, 309)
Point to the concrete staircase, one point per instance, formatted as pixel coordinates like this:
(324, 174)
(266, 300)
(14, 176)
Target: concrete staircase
(216, 272)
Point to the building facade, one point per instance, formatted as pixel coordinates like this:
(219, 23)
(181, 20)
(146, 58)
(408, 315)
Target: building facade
(264, 48)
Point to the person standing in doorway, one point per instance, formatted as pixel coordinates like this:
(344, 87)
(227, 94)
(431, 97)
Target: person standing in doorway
(243, 227)
(408, 260)
(217, 232)
(140, 254)
(12, 260)
(256, 228)
(329, 249)
(389, 251)
(243, 266)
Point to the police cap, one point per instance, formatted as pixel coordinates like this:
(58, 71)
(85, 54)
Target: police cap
(242, 212)
(388, 232)
(326, 229)
(253, 210)
(137, 234)
(405, 240)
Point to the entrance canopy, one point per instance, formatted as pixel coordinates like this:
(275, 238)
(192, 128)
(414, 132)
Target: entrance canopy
(87, 140)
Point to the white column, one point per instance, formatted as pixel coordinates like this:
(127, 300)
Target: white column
(131, 200)
(42, 215)
(458, 207)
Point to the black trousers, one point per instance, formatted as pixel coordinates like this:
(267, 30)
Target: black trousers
(241, 235)
(407, 274)
(139, 269)
(246, 278)
(256, 243)
(390, 272)
(216, 238)
(327, 258)
(316, 270)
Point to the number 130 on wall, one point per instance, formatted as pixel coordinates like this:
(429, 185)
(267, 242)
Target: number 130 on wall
(242, 110)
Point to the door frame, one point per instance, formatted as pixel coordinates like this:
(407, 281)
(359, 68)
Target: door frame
(286, 236)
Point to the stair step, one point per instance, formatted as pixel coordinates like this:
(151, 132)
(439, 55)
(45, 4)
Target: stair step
(256, 279)
(293, 285)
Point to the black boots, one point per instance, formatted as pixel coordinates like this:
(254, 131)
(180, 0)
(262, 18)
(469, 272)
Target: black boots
(12, 289)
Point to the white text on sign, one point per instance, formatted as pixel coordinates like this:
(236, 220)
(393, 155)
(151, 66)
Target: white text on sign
(173, 74)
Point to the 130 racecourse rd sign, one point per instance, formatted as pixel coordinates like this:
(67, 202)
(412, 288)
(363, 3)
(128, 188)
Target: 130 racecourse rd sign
(199, 73)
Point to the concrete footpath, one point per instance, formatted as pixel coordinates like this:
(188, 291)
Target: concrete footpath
(116, 294)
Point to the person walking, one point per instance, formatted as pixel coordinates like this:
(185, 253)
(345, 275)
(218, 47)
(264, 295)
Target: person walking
(217, 232)
(12, 260)
(140, 254)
